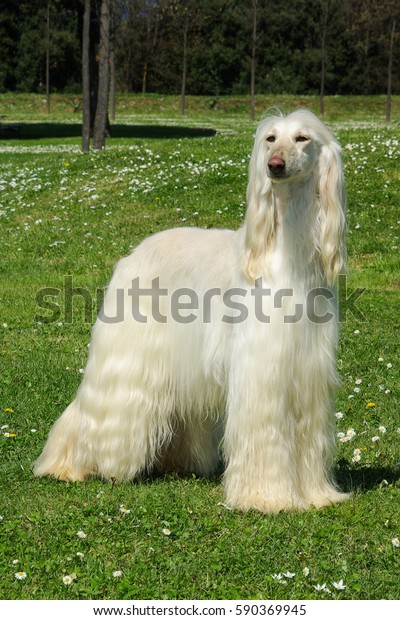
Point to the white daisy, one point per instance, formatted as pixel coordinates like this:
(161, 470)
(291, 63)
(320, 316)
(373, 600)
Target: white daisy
(339, 585)
(67, 580)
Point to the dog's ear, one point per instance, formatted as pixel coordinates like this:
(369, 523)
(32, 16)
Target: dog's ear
(260, 223)
(332, 195)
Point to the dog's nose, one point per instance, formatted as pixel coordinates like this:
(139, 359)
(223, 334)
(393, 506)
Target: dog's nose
(276, 165)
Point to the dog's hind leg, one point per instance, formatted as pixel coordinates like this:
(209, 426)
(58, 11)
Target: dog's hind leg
(114, 427)
(106, 440)
(59, 457)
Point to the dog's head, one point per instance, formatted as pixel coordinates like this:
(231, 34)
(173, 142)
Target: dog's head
(292, 150)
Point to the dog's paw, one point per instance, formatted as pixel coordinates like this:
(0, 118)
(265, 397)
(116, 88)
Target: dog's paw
(266, 504)
(322, 500)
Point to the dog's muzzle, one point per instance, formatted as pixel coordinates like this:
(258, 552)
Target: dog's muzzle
(277, 166)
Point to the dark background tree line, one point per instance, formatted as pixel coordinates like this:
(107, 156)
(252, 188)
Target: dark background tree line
(209, 47)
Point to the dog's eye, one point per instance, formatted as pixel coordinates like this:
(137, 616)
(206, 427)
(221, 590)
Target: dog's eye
(270, 138)
(302, 138)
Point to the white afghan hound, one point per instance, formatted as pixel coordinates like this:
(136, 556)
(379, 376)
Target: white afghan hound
(220, 343)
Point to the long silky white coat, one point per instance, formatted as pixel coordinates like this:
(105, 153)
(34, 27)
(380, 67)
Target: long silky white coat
(228, 349)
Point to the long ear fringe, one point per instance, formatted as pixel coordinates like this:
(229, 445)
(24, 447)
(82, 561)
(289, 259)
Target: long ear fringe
(332, 193)
(260, 218)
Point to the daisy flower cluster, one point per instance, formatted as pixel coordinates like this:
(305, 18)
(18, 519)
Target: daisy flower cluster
(346, 437)
(138, 170)
(379, 151)
(69, 579)
(8, 430)
(5, 428)
(283, 579)
(371, 436)
(360, 154)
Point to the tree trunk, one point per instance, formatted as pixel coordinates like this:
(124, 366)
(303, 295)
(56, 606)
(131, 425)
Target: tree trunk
(150, 49)
(184, 68)
(144, 79)
(100, 121)
(112, 85)
(389, 82)
(323, 60)
(253, 63)
(48, 58)
(94, 38)
(85, 78)
(112, 63)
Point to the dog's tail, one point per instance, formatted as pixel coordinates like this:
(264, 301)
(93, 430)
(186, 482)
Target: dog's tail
(59, 456)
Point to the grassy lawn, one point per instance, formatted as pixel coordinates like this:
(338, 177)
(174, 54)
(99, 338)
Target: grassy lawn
(66, 214)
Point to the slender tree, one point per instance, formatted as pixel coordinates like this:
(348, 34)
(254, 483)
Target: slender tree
(390, 69)
(86, 77)
(253, 61)
(152, 16)
(100, 121)
(323, 56)
(183, 17)
(48, 57)
(112, 62)
(184, 58)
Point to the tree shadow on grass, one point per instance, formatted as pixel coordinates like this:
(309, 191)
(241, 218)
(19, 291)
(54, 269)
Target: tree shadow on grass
(38, 131)
(364, 478)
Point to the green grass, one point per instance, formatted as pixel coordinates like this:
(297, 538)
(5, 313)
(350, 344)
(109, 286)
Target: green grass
(63, 213)
(219, 111)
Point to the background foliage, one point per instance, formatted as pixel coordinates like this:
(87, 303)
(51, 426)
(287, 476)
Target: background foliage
(149, 43)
